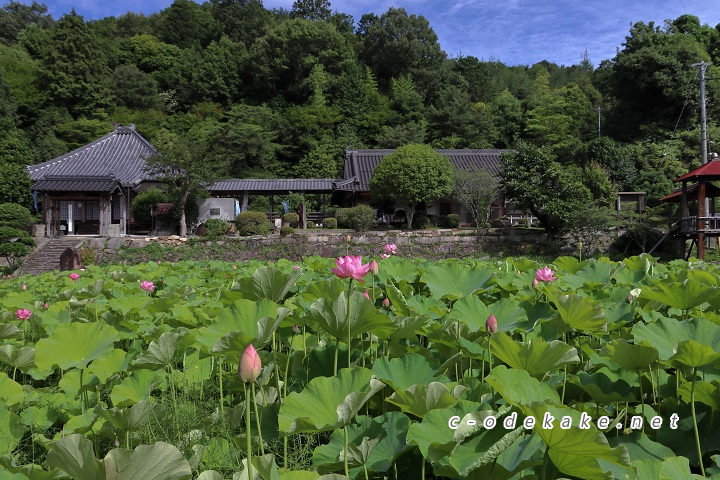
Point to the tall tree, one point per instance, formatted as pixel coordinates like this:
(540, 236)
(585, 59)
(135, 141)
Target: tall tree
(16, 17)
(396, 44)
(74, 70)
(311, 9)
(241, 20)
(187, 24)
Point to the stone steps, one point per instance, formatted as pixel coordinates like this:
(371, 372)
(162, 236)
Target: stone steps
(46, 258)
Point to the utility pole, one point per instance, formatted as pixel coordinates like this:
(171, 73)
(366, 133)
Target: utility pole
(703, 206)
(599, 109)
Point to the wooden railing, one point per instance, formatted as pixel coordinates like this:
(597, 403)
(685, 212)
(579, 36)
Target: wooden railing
(700, 224)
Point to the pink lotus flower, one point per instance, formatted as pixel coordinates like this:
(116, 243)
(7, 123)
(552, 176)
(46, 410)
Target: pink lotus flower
(491, 325)
(23, 314)
(384, 255)
(390, 248)
(350, 267)
(544, 275)
(296, 267)
(250, 365)
(386, 302)
(46, 306)
(374, 269)
(24, 287)
(147, 286)
(367, 296)
(74, 276)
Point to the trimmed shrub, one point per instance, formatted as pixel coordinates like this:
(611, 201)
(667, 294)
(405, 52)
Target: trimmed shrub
(14, 244)
(343, 217)
(214, 227)
(421, 222)
(14, 215)
(141, 206)
(361, 218)
(286, 231)
(330, 222)
(291, 219)
(253, 223)
(449, 221)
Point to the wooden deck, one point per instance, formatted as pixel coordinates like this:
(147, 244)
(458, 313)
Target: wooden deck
(691, 226)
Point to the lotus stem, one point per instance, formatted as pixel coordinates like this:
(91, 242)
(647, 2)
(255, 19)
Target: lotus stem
(257, 419)
(174, 399)
(345, 452)
(248, 432)
(348, 317)
(694, 418)
(642, 401)
(220, 379)
(337, 351)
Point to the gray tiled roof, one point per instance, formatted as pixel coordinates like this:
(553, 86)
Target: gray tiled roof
(76, 184)
(120, 154)
(280, 185)
(362, 163)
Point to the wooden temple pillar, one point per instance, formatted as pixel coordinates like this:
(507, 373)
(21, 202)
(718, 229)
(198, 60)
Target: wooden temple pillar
(701, 222)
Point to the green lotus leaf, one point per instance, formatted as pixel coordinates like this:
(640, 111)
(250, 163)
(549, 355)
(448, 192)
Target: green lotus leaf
(160, 461)
(11, 430)
(399, 269)
(594, 275)
(673, 468)
(22, 358)
(74, 455)
(334, 400)
(12, 476)
(578, 313)
(39, 418)
(381, 441)
(398, 302)
(640, 447)
(136, 388)
(80, 423)
(567, 264)
(305, 475)
(11, 392)
(132, 418)
(268, 282)
(420, 399)
(575, 451)
(636, 358)
(161, 352)
(219, 453)
(210, 475)
(330, 288)
(242, 316)
(403, 372)
(74, 345)
(9, 331)
(705, 392)
(474, 313)
(693, 354)
(364, 317)
(195, 369)
(434, 435)
(130, 303)
(264, 468)
(604, 389)
(682, 295)
(517, 387)
(109, 364)
(453, 281)
(535, 356)
(666, 333)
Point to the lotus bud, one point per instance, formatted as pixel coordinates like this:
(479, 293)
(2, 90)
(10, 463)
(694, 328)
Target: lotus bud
(491, 325)
(386, 302)
(295, 329)
(374, 269)
(366, 295)
(250, 365)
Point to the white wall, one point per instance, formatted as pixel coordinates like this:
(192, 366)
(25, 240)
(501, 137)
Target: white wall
(226, 207)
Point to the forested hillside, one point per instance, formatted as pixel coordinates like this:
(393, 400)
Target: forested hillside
(282, 93)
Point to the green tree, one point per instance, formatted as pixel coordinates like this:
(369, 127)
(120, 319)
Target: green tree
(14, 147)
(311, 9)
(186, 24)
(532, 177)
(396, 44)
(183, 162)
(216, 78)
(74, 69)
(410, 175)
(14, 244)
(241, 20)
(135, 89)
(15, 184)
(16, 17)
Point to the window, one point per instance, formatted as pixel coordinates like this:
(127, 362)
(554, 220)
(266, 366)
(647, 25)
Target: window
(116, 199)
(92, 210)
(63, 210)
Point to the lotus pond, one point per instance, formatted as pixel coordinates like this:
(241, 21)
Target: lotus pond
(599, 370)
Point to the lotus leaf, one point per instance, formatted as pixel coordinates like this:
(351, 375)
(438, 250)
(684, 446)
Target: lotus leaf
(683, 295)
(268, 282)
(453, 281)
(690, 353)
(364, 317)
(160, 461)
(327, 403)
(420, 399)
(535, 356)
(74, 454)
(578, 313)
(11, 430)
(242, 316)
(474, 313)
(11, 392)
(74, 345)
(636, 358)
(404, 372)
(666, 333)
(517, 387)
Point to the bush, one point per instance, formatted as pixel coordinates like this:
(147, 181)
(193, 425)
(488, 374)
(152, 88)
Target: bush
(330, 222)
(449, 221)
(361, 218)
(214, 227)
(291, 220)
(141, 206)
(88, 256)
(343, 217)
(253, 223)
(14, 215)
(286, 231)
(420, 222)
(14, 243)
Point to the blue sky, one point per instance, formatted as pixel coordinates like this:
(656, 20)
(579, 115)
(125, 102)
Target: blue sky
(515, 32)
